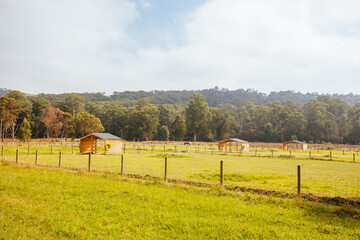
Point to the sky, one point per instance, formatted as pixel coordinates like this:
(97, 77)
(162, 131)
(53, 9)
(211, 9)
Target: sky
(60, 46)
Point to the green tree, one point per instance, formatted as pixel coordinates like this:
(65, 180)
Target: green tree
(37, 127)
(114, 118)
(72, 104)
(178, 129)
(25, 130)
(163, 133)
(354, 125)
(24, 107)
(340, 110)
(68, 127)
(8, 114)
(277, 115)
(321, 123)
(95, 109)
(164, 116)
(197, 117)
(142, 121)
(85, 123)
(222, 125)
(295, 124)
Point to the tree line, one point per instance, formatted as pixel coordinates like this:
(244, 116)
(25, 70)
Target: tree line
(214, 96)
(319, 120)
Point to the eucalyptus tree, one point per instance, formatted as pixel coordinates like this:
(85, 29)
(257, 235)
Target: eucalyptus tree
(197, 117)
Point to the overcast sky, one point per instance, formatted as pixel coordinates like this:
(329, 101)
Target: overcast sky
(59, 46)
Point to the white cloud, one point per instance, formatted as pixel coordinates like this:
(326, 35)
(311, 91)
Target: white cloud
(267, 45)
(62, 45)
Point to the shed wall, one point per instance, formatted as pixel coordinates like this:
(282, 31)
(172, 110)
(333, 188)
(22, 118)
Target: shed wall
(116, 146)
(245, 146)
(85, 145)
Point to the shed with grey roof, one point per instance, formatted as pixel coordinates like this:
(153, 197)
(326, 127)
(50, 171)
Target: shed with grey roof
(226, 145)
(295, 144)
(112, 145)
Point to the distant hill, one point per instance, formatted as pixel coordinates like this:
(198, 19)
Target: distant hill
(214, 96)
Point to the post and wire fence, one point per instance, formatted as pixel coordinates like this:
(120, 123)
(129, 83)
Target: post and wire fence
(178, 164)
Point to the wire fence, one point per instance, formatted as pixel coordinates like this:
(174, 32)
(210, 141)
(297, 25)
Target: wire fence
(330, 173)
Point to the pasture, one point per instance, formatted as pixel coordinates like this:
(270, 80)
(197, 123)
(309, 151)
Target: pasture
(324, 173)
(45, 203)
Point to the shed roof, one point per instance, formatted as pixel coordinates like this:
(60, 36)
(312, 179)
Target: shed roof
(233, 140)
(102, 136)
(295, 141)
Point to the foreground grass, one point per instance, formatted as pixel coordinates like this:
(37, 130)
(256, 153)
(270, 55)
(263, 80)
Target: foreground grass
(39, 203)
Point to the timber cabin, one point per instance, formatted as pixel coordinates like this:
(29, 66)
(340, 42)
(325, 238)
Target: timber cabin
(112, 145)
(295, 144)
(228, 144)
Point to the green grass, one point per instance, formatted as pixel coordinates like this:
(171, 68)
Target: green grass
(167, 155)
(42, 203)
(236, 177)
(337, 177)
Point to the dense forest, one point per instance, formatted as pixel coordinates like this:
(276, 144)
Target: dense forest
(213, 96)
(205, 115)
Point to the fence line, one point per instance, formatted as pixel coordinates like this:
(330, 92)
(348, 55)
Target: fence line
(17, 159)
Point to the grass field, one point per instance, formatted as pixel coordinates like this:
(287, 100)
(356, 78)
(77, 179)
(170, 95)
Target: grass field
(43, 203)
(320, 175)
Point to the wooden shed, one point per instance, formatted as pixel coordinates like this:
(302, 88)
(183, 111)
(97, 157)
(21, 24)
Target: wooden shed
(112, 145)
(295, 144)
(229, 144)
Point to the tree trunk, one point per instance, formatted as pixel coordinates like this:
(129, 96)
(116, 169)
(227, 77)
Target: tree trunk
(13, 131)
(1, 130)
(194, 137)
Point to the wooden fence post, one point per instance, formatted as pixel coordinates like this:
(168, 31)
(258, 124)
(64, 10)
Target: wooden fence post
(165, 177)
(221, 172)
(298, 181)
(138, 150)
(330, 155)
(36, 157)
(59, 159)
(89, 167)
(17, 156)
(164, 148)
(2, 150)
(354, 157)
(309, 154)
(51, 151)
(124, 148)
(28, 150)
(72, 149)
(175, 149)
(122, 164)
(343, 152)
